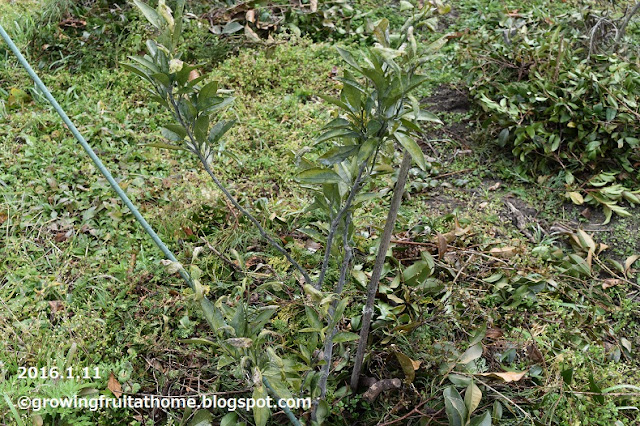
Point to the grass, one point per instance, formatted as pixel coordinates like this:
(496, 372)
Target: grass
(75, 269)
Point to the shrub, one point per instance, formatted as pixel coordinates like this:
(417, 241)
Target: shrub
(552, 105)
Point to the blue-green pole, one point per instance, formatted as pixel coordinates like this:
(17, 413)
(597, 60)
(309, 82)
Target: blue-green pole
(145, 225)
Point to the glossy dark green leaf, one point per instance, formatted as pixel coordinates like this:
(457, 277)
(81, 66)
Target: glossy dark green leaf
(207, 92)
(412, 148)
(152, 16)
(201, 128)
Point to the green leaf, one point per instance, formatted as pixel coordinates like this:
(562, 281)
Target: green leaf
(412, 148)
(220, 128)
(199, 341)
(218, 104)
(260, 414)
(230, 419)
(322, 412)
(345, 336)
(152, 16)
(162, 78)
(142, 72)
(482, 419)
(438, 44)
(201, 128)
(338, 154)
(317, 175)
(381, 32)
(472, 397)
(593, 387)
(335, 134)
(338, 103)
(454, 406)
(611, 114)
(174, 133)
(337, 314)
(209, 91)
(471, 354)
(348, 58)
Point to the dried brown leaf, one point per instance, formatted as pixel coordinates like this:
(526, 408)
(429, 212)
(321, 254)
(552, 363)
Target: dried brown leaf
(507, 376)
(114, 386)
(610, 282)
(503, 252)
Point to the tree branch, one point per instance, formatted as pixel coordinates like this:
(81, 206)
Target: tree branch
(231, 198)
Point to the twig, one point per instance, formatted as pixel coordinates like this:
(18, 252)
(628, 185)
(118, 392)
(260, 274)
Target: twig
(231, 198)
(336, 221)
(327, 351)
(506, 398)
(222, 256)
(409, 414)
(627, 18)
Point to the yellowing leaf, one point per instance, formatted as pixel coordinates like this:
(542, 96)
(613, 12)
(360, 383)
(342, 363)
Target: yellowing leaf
(408, 365)
(576, 197)
(472, 397)
(508, 376)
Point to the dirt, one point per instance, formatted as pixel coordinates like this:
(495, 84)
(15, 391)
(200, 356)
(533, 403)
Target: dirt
(448, 99)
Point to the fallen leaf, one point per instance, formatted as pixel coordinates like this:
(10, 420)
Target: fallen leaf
(409, 366)
(314, 5)
(114, 386)
(508, 376)
(503, 252)
(312, 246)
(494, 333)
(251, 16)
(534, 353)
(3, 217)
(251, 35)
(56, 305)
(63, 236)
(575, 197)
(610, 282)
(494, 186)
(627, 263)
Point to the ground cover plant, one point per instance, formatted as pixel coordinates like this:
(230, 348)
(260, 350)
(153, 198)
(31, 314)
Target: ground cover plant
(499, 301)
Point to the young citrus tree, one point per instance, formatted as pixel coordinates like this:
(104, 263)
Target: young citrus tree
(375, 115)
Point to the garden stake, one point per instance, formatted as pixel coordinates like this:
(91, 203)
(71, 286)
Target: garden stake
(141, 220)
(372, 289)
(206, 303)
